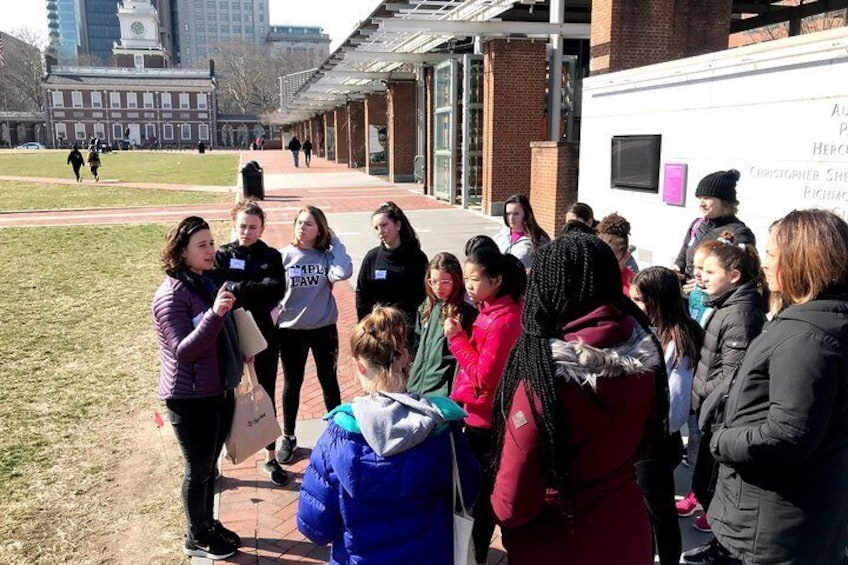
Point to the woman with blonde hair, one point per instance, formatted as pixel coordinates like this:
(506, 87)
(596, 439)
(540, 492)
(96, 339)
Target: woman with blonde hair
(782, 491)
(313, 263)
(379, 484)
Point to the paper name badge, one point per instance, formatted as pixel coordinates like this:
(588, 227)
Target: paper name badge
(519, 420)
(380, 274)
(237, 263)
(295, 272)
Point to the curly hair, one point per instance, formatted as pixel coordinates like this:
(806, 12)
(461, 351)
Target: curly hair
(615, 231)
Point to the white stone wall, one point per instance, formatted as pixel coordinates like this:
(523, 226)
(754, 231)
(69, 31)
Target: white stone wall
(776, 111)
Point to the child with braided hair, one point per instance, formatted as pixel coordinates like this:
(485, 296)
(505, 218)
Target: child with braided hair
(379, 485)
(582, 396)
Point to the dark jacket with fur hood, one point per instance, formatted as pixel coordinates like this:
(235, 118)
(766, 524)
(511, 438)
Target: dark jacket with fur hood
(782, 492)
(737, 318)
(605, 368)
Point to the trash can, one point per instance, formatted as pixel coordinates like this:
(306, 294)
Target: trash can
(252, 181)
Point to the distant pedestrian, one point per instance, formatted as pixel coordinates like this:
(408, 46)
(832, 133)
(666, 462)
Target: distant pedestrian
(94, 162)
(307, 151)
(295, 146)
(76, 161)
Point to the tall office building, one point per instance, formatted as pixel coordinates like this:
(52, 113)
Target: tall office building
(85, 31)
(200, 27)
(63, 22)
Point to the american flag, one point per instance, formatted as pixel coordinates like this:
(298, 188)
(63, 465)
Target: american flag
(2, 51)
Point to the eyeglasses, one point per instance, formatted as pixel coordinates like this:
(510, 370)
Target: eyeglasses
(438, 282)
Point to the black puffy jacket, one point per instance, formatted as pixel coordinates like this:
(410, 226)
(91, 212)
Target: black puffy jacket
(259, 276)
(782, 492)
(737, 319)
(709, 230)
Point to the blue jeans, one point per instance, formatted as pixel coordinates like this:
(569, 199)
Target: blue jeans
(296, 156)
(201, 426)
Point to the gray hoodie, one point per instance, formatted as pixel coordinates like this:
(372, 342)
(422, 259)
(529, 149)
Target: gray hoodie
(395, 422)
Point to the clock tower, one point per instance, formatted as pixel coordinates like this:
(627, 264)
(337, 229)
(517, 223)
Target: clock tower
(140, 46)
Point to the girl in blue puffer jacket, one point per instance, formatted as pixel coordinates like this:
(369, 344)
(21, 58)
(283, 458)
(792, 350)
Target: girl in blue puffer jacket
(379, 482)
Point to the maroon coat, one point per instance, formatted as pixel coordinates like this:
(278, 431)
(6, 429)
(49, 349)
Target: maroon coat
(606, 395)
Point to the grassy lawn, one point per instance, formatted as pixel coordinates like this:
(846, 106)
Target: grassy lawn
(86, 475)
(215, 169)
(16, 195)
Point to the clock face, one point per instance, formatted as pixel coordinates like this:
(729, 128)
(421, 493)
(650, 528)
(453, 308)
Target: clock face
(137, 28)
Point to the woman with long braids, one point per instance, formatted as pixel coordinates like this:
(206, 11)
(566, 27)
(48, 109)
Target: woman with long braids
(582, 395)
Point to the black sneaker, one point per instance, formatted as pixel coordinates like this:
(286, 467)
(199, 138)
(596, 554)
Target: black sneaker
(288, 446)
(278, 476)
(214, 547)
(711, 553)
(225, 533)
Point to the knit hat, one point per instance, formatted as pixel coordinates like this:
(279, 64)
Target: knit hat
(720, 184)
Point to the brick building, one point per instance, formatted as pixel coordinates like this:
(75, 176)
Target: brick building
(469, 111)
(165, 108)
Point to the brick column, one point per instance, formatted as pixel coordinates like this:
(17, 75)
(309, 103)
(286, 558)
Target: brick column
(342, 136)
(553, 182)
(318, 136)
(328, 122)
(514, 82)
(634, 33)
(400, 115)
(356, 133)
(375, 115)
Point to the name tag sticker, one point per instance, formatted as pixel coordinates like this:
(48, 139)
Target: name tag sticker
(519, 420)
(295, 272)
(237, 264)
(380, 274)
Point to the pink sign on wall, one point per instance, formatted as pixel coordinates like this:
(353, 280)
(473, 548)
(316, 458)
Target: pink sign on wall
(674, 184)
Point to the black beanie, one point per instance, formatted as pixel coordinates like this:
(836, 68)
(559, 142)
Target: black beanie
(720, 184)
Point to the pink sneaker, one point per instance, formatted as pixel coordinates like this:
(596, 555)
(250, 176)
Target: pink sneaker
(701, 524)
(687, 506)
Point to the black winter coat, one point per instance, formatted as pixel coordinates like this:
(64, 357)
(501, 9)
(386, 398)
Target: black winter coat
(710, 230)
(782, 493)
(737, 318)
(259, 276)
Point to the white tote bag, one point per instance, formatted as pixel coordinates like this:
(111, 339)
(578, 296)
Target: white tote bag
(254, 424)
(463, 523)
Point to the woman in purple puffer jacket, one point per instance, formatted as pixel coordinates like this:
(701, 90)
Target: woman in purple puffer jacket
(200, 362)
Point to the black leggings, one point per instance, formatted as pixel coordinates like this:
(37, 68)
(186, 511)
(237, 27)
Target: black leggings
(201, 426)
(294, 348)
(266, 371)
(656, 479)
(484, 517)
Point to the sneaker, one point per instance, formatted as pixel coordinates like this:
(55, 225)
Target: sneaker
(288, 446)
(710, 553)
(225, 533)
(214, 548)
(701, 524)
(278, 476)
(687, 506)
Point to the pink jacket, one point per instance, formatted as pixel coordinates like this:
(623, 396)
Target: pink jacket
(482, 358)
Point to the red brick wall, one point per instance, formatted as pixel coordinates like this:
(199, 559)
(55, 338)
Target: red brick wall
(514, 82)
(553, 182)
(400, 114)
(356, 129)
(634, 33)
(342, 136)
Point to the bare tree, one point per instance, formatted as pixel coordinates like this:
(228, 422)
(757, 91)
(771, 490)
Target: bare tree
(249, 77)
(819, 22)
(21, 76)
